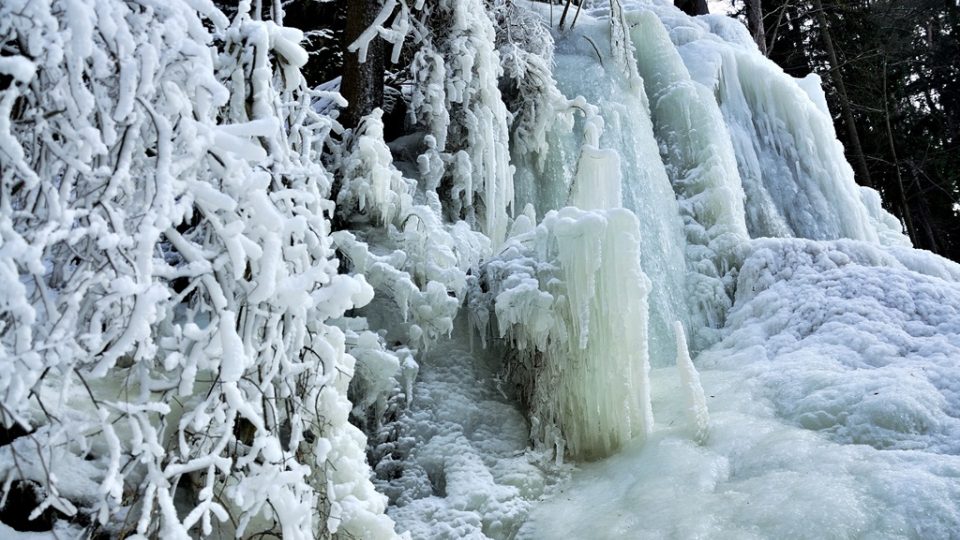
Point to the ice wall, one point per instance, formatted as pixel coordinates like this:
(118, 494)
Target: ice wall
(795, 176)
(641, 88)
(747, 150)
(647, 163)
(700, 161)
(834, 381)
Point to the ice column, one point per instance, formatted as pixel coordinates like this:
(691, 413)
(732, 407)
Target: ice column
(571, 298)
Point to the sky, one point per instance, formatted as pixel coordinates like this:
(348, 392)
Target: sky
(720, 6)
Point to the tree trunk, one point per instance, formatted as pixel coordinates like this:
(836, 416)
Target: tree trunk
(755, 24)
(362, 83)
(861, 163)
(692, 7)
(904, 207)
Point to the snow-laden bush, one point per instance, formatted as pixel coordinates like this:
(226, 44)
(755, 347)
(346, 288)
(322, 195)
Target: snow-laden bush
(167, 272)
(416, 263)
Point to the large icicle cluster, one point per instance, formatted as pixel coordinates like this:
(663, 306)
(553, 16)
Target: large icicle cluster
(795, 177)
(167, 273)
(616, 110)
(570, 298)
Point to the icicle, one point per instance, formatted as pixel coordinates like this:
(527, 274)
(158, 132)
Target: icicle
(476, 141)
(702, 166)
(597, 184)
(693, 394)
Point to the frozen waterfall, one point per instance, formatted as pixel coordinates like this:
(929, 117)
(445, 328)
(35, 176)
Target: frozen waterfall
(698, 187)
(613, 278)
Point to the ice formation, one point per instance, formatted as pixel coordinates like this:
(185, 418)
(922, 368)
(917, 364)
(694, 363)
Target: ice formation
(468, 116)
(834, 387)
(834, 378)
(701, 164)
(697, 413)
(571, 300)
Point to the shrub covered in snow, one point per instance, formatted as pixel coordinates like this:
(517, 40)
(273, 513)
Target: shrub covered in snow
(167, 271)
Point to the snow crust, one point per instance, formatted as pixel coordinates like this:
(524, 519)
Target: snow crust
(866, 348)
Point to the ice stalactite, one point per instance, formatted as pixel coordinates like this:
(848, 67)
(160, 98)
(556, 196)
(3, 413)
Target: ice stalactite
(701, 164)
(597, 184)
(541, 147)
(601, 135)
(795, 177)
(571, 299)
(696, 402)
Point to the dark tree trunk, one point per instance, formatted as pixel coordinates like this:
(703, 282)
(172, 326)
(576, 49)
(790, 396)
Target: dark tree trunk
(836, 78)
(904, 206)
(362, 83)
(692, 7)
(755, 24)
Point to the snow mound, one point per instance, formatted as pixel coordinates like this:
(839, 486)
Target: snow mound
(866, 350)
